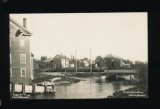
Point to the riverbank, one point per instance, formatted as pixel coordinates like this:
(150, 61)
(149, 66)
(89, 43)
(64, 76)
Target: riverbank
(44, 76)
(140, 91)
(64, 79)
(67, 78)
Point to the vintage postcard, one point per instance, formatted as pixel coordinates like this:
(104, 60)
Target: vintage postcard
(78, 55)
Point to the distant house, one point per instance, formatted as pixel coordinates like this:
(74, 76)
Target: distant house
(48, 63)
(60, 61)
(38, 64)
(85, 62)
(123, 65)
(43, 58)
(21, 58)
(71, 64)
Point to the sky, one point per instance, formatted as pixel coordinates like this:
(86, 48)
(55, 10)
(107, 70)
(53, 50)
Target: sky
(122, 34)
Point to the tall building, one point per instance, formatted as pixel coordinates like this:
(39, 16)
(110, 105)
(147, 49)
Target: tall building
(21, 58)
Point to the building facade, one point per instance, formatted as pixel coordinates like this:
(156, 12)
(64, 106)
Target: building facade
(48, 63)
(85, 62)
(60, 61)
(21, 59)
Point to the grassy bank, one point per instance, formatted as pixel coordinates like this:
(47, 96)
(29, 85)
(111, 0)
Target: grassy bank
(40, 77)
(84, 74)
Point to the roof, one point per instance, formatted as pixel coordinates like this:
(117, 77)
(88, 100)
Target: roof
(61, 56)
(123, 62)
(48, 60)
(38, 61)
(86, 62)
(43, 56)
(25, 30)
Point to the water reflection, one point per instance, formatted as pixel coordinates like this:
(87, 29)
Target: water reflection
(116, 86)
(100, 87)
(86, 89)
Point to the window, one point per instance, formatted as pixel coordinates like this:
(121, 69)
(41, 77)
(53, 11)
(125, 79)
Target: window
(10, 59)
(23, 72)
(10, 72)
(21, 43)
(23, 58)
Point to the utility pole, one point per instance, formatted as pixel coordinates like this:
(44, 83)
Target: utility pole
(76, 62)
(65, 64)
(90, 62)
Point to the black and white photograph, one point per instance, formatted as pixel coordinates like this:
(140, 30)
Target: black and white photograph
(78, 55)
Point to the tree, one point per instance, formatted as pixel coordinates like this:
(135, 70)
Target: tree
(116, 63)
(112, 62)
(108, 60)
(143, 71)
(100, 61)
(127, 61)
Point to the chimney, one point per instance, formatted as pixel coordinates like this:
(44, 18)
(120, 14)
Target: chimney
(24, 22)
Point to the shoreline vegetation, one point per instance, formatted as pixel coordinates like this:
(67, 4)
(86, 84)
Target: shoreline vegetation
(66, 78)
(140, 91)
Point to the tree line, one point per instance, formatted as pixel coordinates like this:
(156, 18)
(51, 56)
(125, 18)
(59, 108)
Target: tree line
(113, 62)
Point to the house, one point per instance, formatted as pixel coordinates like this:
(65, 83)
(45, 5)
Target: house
(71, 64)
(43, 58)
(123, 65)
(21, 58)
(48, 63)
(72, 61)
(60, 61)
(85, 61)
(38, 64)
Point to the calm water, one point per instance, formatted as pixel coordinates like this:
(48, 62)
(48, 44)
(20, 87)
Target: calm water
(88, 89)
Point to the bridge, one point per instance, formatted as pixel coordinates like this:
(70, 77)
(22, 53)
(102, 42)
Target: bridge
(117, 72)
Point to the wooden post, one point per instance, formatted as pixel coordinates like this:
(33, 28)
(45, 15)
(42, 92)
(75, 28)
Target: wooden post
(53, 87)
(23, 88)
(45, 88)
(13, 88)
(33, 88)
(130, 77)
(116, 77)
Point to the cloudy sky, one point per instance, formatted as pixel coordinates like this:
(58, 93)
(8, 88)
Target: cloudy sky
(121, 34)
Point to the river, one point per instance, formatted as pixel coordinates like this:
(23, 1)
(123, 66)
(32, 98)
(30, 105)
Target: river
(86, 89)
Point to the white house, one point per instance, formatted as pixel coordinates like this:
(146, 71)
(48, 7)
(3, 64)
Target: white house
(122, 64)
